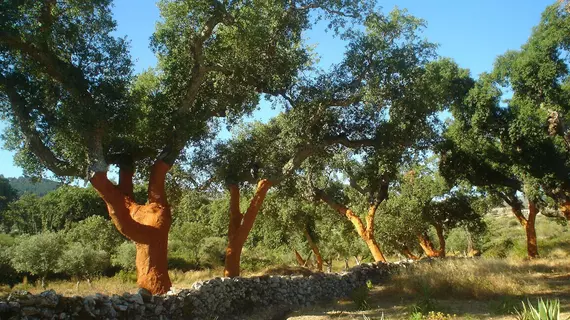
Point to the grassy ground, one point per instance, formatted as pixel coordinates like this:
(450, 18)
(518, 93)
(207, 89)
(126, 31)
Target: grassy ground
(467, 288)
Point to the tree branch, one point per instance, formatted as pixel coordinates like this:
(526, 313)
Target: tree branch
(156, 191)
(343, 140)
(70, 76)
(33, 140)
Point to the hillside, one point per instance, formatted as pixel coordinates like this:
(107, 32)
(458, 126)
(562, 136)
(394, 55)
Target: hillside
(26, 185)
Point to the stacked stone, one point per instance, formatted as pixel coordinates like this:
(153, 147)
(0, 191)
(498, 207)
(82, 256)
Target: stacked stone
(221, 298)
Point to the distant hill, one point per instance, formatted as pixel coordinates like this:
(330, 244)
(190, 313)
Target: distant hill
(26, 185)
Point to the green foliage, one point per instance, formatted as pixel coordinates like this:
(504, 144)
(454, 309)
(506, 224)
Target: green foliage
(83, 261)
(95, 232)
(8, 274)
(7, 195)
(54, 211)
(545, 310)
(124, 256)
(213, 251)
(360, 297)
(37, 254)
(185, 240)
(27, 185)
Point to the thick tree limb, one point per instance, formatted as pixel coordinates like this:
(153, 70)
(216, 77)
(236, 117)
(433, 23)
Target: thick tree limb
(70, 76)
(33, 139)
(156, 190)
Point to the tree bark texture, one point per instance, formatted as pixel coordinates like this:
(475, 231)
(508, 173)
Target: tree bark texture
(427, 246)
(408, 253)
(529, 227)
(441, 240)
(315, 250)
(146, 225)
(241, 224)
(365, 232)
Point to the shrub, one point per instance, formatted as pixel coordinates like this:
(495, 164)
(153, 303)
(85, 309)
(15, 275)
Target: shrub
(83, 262)
(95, 232)
(185, 240)
(8, 274)
(37, 254)
(213, 251)
(125, 256)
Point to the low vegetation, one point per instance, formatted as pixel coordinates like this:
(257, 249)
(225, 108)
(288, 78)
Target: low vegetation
(457, 289)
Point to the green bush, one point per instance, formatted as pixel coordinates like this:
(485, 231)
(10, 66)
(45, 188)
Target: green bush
(185, 240)
(125, 256)
(8, 275)
(38, 254)
(83, 262)
(213, 251)
(95, 232)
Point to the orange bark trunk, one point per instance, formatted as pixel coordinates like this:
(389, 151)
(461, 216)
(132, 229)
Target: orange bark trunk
(315, 251)
(241, 224)
(565, 209)
(529, 227)
(366, 233)
(147, 225)
(408, 253)
(427, 246)
(300, 259)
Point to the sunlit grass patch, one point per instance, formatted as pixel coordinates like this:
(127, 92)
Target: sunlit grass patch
(475, 279)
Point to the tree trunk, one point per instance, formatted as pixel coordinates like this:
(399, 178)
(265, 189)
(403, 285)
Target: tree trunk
(366, 233)
(356, 260)
(241, 224)
(374, 249)
(427, 246)
(408, 253)
(346, 266)
(147, 225)
(565, 209)
(529, 226)
(469, 241)
(441, 240)
(300, 260)
(315, 250)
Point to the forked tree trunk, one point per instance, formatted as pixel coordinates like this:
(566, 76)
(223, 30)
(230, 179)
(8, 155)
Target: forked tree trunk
(315, 250)
(529, 227)
(147, 225)
(408, 253)
(427, 245)
(241, 224)
(366, 233)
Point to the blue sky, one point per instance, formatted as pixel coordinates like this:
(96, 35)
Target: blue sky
(473, 33)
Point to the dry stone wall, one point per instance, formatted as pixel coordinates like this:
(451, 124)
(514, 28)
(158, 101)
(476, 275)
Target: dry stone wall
(219, 298)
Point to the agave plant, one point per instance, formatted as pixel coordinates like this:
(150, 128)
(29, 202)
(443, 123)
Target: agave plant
(546, 310)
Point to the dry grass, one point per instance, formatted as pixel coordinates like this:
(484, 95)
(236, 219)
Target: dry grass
(470, 288)
(477, 278)
(112, 285)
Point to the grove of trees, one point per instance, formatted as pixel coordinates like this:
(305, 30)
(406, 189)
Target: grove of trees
(382, 154)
